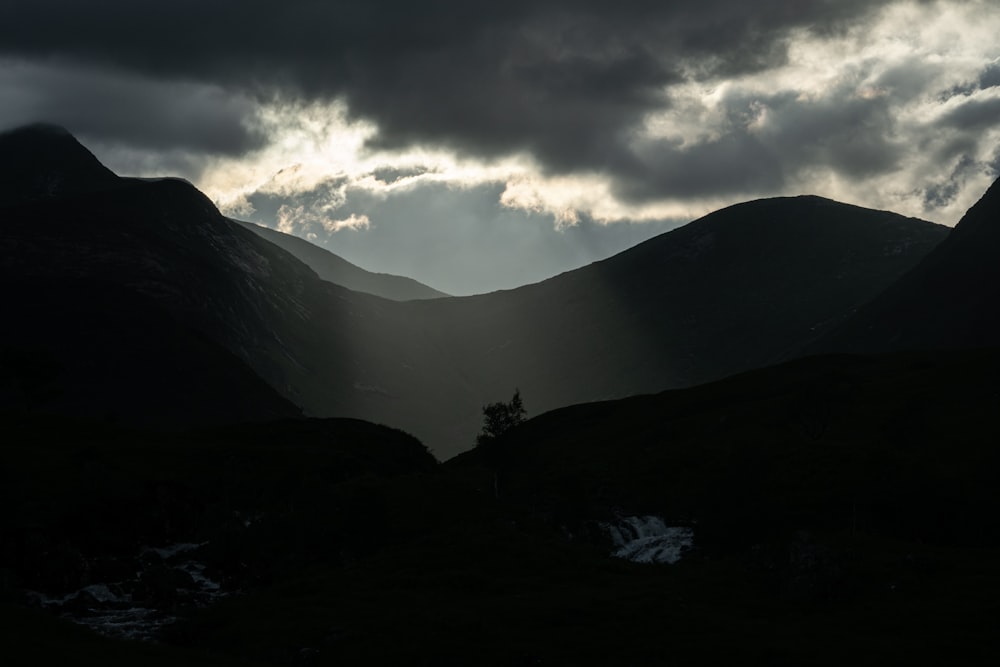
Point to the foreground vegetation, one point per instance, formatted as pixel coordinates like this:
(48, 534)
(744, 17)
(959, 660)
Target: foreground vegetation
(844, 508)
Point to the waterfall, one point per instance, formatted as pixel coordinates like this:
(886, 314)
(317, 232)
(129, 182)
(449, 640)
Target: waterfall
(648, 539)
(135, 608)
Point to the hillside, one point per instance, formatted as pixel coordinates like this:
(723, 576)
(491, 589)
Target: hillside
(947, 301)
(101, 310)
(735, 290)
(839, 506)
(338, 270)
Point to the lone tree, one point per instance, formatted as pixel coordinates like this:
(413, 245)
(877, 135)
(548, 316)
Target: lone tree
(498, 418)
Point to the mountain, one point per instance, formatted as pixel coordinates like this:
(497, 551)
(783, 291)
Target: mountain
(117, 295)
(949, 300)
(46, 162)
(735, 290)
(335, 269)
(732, 291)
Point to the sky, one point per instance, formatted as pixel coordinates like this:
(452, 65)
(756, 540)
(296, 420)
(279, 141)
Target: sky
(477, 146)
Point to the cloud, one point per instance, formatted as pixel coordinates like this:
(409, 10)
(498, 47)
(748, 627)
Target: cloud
(974, 115)
(565, 82)
(139, 112)
(302, 212)
(990, 76)
(353, 221)
(942, 193)
(302, 221)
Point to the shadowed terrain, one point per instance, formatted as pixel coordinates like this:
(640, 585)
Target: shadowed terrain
(949, 300)
(158, 480)
(837, 517)
(735, 290)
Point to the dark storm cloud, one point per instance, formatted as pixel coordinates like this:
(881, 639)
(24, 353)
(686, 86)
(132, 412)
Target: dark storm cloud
(565, 81)
(973, 115)
(389, 174)
(943, 193)
(736, 162)
(764, 138)
(993, 168)
(105, 106)
(990, 76)
(853, 134)
(965, 124)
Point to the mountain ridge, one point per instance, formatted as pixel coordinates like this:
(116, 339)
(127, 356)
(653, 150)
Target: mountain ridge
(43, 161)
(706, 300)
(731, 291)
(946, 301)
(335, 269)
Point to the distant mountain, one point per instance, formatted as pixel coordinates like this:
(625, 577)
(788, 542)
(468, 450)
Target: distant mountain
(732, 291)
(949, 300)
(335, 269)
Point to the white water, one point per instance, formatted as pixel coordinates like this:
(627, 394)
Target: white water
(648, 539)
(110, 611)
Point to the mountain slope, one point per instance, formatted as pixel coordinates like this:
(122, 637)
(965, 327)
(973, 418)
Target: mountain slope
(91, 350)
(164, 243)
(948, 301)
(335, 269)
(133, 299)
(732, 291)
(838, 442)
(46, 162)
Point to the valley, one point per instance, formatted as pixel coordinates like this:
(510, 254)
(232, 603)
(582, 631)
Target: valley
(766, 437)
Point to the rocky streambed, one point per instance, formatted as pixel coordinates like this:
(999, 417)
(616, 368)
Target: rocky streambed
(166, 581)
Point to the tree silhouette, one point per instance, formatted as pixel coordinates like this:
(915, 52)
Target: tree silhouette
(498, 419)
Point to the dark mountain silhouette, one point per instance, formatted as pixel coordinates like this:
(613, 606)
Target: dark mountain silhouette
(118, 294)
(949, 300)
(337, 270)
(41, 161)
(732, 291)
(92, 350)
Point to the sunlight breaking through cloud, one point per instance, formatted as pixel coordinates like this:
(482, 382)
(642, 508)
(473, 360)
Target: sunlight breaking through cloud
(598, 115)
(863, 116)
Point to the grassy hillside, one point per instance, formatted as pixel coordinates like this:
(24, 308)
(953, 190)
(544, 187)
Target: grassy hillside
(844, 511)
